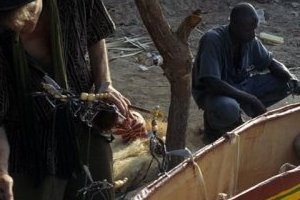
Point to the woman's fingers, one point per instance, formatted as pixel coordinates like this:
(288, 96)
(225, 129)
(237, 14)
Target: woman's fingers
(119, 101)
(6, 184)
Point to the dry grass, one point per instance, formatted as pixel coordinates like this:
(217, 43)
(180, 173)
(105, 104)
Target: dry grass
(132, 159)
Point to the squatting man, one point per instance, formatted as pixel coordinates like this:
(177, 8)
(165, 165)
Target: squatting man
(227, 78)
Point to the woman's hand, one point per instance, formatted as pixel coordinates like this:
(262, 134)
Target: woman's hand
(115, 97)
(6, 186)
(6, 182)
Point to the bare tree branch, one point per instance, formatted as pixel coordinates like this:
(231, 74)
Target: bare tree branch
(156, 24)
(188, 25)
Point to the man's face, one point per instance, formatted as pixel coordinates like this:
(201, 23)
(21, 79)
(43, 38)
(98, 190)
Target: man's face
(244, 29)
(25, 19)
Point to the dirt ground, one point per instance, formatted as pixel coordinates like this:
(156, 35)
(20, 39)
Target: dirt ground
(148, 88)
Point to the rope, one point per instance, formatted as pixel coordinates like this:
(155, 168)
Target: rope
(201, 178)
(235, 172)
(237, 166)
(238, 157)
(199, 172)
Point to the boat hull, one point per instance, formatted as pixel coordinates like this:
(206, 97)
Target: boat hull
(243, 158)
(285, 186)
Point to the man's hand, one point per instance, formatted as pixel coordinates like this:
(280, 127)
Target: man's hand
(294, 86)
(218, 87)
(6, 186)
(257, 106)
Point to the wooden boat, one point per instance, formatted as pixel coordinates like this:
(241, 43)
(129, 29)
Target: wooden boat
(245, 164)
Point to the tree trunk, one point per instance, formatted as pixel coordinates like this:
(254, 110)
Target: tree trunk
(178, 117)
(173, 47)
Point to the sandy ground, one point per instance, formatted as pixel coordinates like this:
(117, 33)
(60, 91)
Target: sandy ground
(150, 88)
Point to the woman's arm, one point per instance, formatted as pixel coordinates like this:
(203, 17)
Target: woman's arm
(101, 75)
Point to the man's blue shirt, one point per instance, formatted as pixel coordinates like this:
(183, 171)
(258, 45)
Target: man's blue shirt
(215, 59)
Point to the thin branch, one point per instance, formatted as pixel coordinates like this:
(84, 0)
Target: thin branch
(189, 23)
(156, 24)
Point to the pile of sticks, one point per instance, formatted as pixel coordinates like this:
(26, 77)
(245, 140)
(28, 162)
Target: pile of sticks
(128, 46)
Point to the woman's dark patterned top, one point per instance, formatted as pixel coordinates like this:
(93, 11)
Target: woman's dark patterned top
(51, 148)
